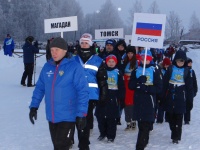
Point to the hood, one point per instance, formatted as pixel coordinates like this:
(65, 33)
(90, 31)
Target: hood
(179, 55)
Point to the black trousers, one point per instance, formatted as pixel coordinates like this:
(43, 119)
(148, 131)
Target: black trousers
(107, 127)
(28, 72)
(61, 134)
(143, 134)
(187, 115)
(84, 135)
(175, 124)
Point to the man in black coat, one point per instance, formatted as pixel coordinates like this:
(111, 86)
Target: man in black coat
(96, 74)
(28, 55)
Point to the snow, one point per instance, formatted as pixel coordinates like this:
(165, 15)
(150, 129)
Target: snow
(17, 133)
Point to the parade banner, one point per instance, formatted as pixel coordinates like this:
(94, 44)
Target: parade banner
(109, 33)
(148, 30)
(64, 24)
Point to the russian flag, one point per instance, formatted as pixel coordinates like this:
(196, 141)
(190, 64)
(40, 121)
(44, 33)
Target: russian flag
(148, 29)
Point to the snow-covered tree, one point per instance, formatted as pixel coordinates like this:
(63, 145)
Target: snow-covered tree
(22, 18)
(108, 16)
(173, 26)
(194, 25)
(154, 8)
(136, 8)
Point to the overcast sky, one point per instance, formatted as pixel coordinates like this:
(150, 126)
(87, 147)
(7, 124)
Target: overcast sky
(184, 8)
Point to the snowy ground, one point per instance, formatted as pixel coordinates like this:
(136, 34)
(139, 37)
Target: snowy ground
(17, 133)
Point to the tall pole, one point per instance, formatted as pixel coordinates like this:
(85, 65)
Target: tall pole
(144, 65)
(34, 68)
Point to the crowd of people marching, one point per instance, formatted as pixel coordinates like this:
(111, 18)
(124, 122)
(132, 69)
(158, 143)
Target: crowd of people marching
(151, 86)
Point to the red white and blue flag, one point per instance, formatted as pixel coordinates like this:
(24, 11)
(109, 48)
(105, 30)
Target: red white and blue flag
(148, 29)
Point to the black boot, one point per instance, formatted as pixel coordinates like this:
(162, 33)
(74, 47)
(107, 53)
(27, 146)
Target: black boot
(118, 121)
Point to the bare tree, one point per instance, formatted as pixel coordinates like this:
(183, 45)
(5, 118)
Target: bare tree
(22, 18)
(173, 27)
(194, 23)
(137, 8)
(154, 8)
(108, 16)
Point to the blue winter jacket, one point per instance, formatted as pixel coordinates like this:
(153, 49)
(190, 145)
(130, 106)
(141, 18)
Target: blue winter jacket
(66, 91)
(29, 50)
(9, 45)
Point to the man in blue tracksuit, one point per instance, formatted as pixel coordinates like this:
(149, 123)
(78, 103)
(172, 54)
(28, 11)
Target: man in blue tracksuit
(63, 83)
(8, 45)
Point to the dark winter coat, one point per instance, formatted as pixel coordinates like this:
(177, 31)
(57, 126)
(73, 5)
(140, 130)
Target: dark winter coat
(195, 86)
(175, 96)
(28, 52)
(144, 101)
(111, 108)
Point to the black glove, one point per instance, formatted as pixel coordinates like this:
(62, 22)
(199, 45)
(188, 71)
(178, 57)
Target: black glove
(142, 87)
(142, 79)
(33, 114)
(81, 123)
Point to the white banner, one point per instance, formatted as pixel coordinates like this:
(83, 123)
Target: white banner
(148, 30)
(60, 24)
(109, 33)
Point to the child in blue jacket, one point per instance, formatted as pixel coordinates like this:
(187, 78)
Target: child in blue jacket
(146, 87)
(189, 103)
(178, 87)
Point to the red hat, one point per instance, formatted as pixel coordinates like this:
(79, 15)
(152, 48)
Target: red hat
(166, 61)
(111, 57)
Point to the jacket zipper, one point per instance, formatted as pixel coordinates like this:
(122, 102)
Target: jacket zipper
(52, 93)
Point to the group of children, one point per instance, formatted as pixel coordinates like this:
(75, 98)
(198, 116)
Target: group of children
(164, 89)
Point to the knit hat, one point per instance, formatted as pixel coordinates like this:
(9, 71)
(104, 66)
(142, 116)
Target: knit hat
(111, 57)
(59, 43)
(131, 49)
(110, 41)
(121, 42)
(166, 61)
(149, 55)
(189, 60)
(30, 39)
(86, 37)
(180, 55)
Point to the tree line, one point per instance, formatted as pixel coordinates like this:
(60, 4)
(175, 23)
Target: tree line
(21, 18)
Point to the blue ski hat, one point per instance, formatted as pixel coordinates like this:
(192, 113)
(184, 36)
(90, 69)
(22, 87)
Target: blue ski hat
(149, 55)
(110, 41)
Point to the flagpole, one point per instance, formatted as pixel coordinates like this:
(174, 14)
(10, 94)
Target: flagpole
(144, 65)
